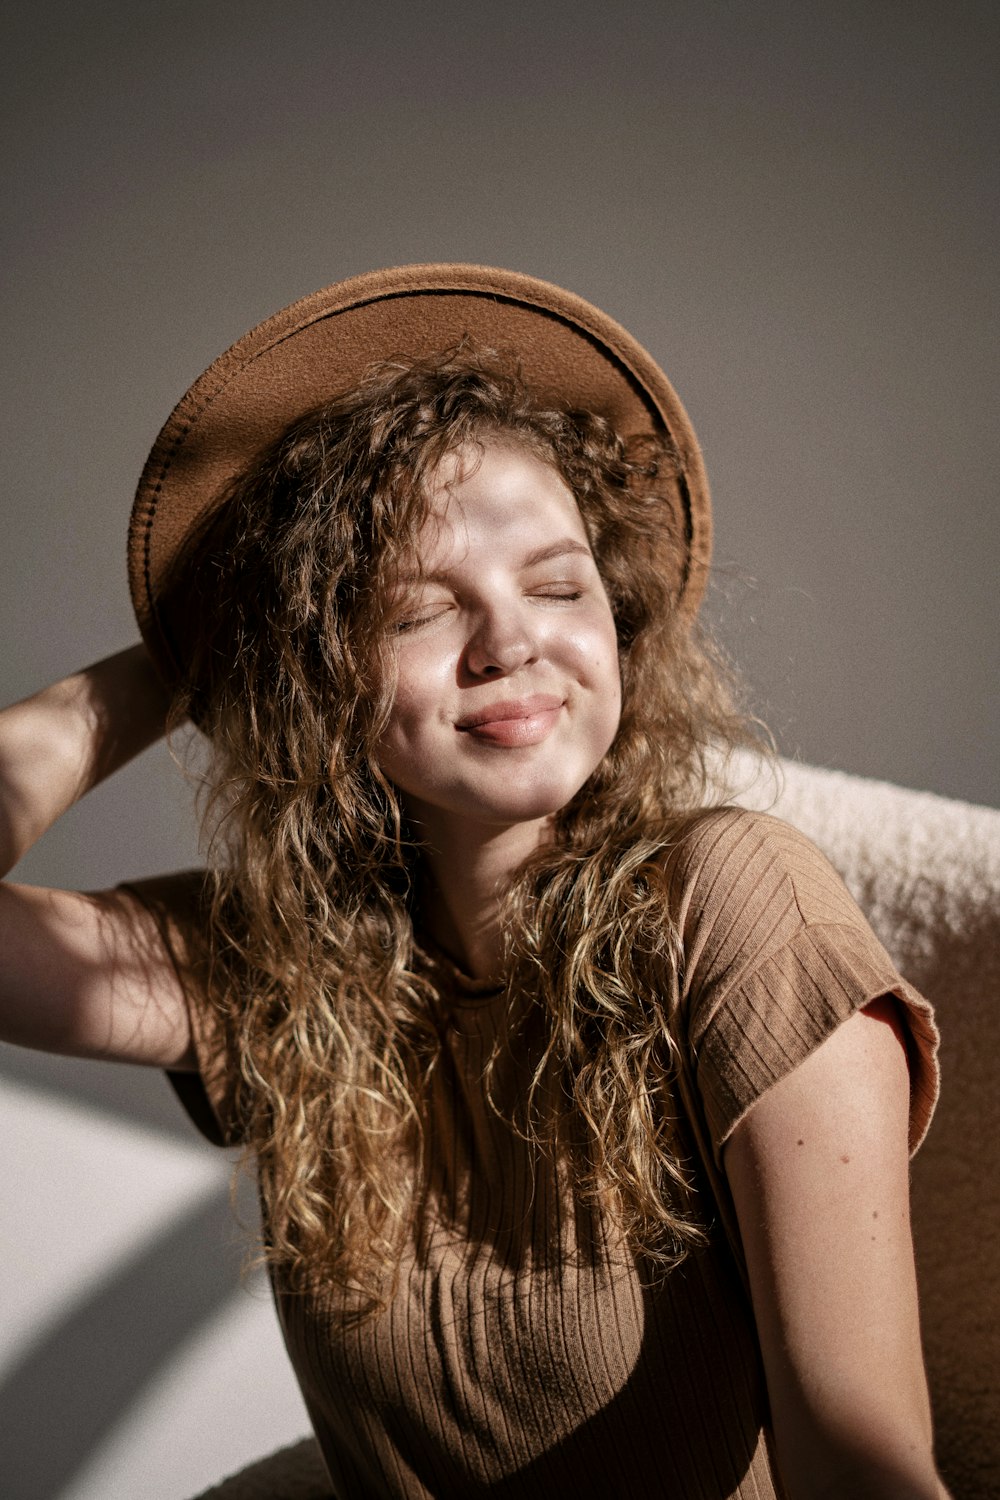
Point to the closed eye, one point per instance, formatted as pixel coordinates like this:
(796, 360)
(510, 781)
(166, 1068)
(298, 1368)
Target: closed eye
(414, 621)
(558, 593)
(426, 614)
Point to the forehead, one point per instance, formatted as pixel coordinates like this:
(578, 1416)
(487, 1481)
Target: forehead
(497, 492)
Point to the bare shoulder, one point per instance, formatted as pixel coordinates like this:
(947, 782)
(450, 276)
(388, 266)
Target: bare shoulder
(101, 974)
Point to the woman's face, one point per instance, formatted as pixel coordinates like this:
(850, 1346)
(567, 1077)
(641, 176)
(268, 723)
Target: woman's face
(508, 691)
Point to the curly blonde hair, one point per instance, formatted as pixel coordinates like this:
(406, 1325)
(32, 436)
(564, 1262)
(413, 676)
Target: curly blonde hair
(333, 1026)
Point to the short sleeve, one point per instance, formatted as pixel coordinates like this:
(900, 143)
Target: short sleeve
(210, 1093)
(776, 955)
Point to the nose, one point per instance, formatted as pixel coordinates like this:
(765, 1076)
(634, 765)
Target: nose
(501, 643)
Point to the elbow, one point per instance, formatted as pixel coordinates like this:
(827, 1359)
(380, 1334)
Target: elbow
(875, 1464)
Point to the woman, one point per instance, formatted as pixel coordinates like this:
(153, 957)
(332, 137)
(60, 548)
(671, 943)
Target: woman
(580, 1102)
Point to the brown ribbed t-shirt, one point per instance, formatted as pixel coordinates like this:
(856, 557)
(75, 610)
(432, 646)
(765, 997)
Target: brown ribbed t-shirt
(524, 1352)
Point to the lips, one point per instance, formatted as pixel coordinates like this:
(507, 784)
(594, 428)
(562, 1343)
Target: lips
(513, 721)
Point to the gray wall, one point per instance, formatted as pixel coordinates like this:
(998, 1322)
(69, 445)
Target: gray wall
(787, 204)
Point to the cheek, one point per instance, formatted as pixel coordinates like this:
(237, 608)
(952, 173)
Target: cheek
(613, 710)
(400, 731)
(613, 678)
(597, 667)
(597, 652)
(417, 698)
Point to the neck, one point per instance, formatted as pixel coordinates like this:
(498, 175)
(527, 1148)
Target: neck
(469, 873)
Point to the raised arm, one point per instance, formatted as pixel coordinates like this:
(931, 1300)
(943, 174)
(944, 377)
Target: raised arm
(83, 974)
(819, 1174)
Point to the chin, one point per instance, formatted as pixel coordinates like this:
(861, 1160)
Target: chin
(523, 805)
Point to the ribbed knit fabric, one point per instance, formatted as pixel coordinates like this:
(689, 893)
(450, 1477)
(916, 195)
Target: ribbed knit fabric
(522, 1355)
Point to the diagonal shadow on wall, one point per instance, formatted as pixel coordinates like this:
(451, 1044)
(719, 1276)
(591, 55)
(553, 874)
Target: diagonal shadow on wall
(76, 1381)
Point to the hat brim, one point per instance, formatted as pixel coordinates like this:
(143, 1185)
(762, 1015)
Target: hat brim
(570, 354)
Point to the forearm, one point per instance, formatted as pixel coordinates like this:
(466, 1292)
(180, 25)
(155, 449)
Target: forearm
(57, 744)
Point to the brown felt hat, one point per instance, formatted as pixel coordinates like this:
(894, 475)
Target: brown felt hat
(571, 355)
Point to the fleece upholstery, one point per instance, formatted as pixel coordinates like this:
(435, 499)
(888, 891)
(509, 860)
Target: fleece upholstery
(926, 871)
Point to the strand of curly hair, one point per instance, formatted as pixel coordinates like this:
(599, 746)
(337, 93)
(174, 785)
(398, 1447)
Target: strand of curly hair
(310, 956)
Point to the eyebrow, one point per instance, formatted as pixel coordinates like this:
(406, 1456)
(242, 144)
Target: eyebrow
(565, 547)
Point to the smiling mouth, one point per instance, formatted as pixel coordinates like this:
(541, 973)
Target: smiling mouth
(517, 722)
